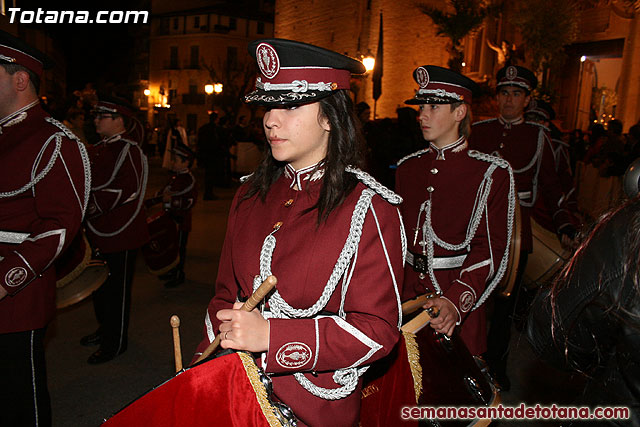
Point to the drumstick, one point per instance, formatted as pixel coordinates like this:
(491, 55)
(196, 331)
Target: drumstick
(177, 352)
(251, 303)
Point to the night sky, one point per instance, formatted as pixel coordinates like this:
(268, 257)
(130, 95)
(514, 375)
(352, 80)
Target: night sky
(99, 53)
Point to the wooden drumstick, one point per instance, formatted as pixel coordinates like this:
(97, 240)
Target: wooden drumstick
(177, 352)
(251, 303)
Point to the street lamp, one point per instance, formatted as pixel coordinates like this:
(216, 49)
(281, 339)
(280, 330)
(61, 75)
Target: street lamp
(217, 88)
(208, 88)
(369, 61)
(147, 92)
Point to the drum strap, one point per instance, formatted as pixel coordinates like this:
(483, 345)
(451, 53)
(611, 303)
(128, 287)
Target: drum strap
(13, 237)
(420, 265)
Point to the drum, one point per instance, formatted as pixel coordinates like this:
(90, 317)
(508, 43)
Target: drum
(162, 252)
(505, 287)
(77, 275)
(228, 390)
(426, 369)
(547, 258)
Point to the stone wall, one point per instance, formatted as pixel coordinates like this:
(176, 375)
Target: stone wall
(352, 27)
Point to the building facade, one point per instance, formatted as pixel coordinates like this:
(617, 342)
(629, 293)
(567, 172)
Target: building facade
(195, 43)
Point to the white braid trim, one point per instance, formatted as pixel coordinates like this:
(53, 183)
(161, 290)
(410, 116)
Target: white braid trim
(485, 121)
(279, 307)
(295, 86)
(36, 178)
(430, 238)
(346, 378)
(416, 154)
(370, 182)
(502, 268)
(142, 187)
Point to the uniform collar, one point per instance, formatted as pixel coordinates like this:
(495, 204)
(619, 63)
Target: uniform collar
(112, 138)
(508, 123)
(455, 147)
(306, 174)
(17, 116)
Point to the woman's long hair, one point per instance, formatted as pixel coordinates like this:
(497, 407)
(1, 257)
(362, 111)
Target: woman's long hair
(344, 149)
(631, 253)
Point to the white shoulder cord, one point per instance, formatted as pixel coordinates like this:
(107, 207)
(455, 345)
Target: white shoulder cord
(141, 190)
(36, 178)
(537, 160)
(510, 218)
(86, 162)
(431, 239)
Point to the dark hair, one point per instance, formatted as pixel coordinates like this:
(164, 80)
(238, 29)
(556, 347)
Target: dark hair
(14, 68)
(344, 149)
(631, 245)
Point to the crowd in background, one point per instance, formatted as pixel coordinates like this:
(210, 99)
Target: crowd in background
(604, 146)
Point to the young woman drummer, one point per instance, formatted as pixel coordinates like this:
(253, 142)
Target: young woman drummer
(325, 229)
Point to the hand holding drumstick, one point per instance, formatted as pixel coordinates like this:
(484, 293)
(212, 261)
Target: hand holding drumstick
(244, 328)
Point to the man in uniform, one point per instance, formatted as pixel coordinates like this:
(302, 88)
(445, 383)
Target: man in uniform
(116, 224)
(542, 112)
(44, 188)
(526, 146)
(458, 208)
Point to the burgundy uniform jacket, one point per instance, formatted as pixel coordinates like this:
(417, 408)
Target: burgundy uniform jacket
(458, 213)
(115, 220)
(183, 190)
(569, 200)
(527, 148)
(44, 188)
(338, 282)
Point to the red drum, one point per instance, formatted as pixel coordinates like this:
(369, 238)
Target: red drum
(78, 276)
(162, 252)
(229, 390)
(426, 369)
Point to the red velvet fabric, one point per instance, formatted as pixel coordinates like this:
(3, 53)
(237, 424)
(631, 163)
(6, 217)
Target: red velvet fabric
(216, 393)
(387, 390)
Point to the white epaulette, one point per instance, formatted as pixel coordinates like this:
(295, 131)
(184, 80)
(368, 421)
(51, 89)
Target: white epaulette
(416, 154)
(498, 161)
(380, 189)
(485, 121)
(245, 178)
(63, 128)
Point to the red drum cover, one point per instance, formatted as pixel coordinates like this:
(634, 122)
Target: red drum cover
(161, 253)
(225, 391)
(445, 373)
(388, 387)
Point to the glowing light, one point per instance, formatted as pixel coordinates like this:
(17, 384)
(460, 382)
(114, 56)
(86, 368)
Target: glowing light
(217, 88)
(464, 64)
(147, 92)
(583, 58)
(208, 88)
(368, 61)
